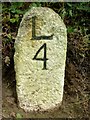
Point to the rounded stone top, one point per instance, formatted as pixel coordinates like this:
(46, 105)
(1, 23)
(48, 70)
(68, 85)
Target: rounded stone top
(40, 54)
(45, 17)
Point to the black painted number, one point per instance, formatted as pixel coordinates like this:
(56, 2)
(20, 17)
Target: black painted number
(34, 37)
(44, 59)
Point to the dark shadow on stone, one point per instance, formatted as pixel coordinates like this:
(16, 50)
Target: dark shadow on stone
(8, 76)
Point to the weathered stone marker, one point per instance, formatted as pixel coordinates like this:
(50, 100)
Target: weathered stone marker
(40, 54)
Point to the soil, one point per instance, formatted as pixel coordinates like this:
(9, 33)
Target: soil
(76, 97)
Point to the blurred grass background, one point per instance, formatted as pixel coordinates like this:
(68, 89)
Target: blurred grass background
(77, 89)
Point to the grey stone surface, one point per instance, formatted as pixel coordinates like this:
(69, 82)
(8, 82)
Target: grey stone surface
(39, 89)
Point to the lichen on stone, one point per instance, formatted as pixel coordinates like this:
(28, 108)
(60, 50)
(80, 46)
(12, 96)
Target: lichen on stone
(39, 89)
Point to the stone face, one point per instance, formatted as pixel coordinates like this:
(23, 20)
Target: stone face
(38, 88)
